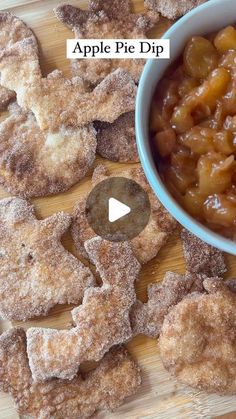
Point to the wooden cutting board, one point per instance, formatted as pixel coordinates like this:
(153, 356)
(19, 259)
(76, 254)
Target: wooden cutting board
(159, 396)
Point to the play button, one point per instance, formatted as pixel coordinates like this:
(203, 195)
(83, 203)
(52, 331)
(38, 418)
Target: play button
(118, 209)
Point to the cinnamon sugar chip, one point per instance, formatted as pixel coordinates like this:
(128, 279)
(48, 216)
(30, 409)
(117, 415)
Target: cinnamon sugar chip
(148, 243)
(37, 163)
(147, 319)
(57, 101)
(106, 20)
(115, 378)
(201, 257)
(19, 55)
(102, 320)
(117, 141)
(172, 9)
(38, 160)
(198, 340)
(36, 272)
(95, 70)
(6, 96)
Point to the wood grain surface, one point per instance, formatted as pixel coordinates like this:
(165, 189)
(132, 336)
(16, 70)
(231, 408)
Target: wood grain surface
(159, 397)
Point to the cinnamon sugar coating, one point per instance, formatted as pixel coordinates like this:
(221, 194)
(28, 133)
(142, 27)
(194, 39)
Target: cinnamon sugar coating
(147, 318)
(102, 320)
(197, 340)
(231, 284)
(36, 271)
(57, 101)
(202, 258)
(117, 141)
(104, 388)
(148, 243)
(19, 54)
(203, 262)
(172, 9)
(6, 96)
(37, 163)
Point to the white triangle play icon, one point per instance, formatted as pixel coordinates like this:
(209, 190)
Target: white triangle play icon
(117, 210)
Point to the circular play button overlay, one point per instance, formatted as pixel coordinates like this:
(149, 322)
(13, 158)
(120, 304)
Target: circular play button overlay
(118, 209)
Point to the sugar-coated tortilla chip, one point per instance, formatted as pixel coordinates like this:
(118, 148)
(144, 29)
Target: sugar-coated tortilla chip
(39, 163)
(202, 258)
(198, 340)
(93, 71)
(57, 101)
(36, 271)
(106, 20)
(147, 318)
(48, 154)
(148, 243)
(102, 320)
(172, 9)
(19, 54)
(104, 388)
(117, 141)
(33, 162)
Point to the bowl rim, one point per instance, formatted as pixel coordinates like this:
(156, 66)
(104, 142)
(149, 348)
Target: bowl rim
(147, 160)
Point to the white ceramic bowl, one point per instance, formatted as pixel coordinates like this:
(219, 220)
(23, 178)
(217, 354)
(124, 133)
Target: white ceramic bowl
(207, 18)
